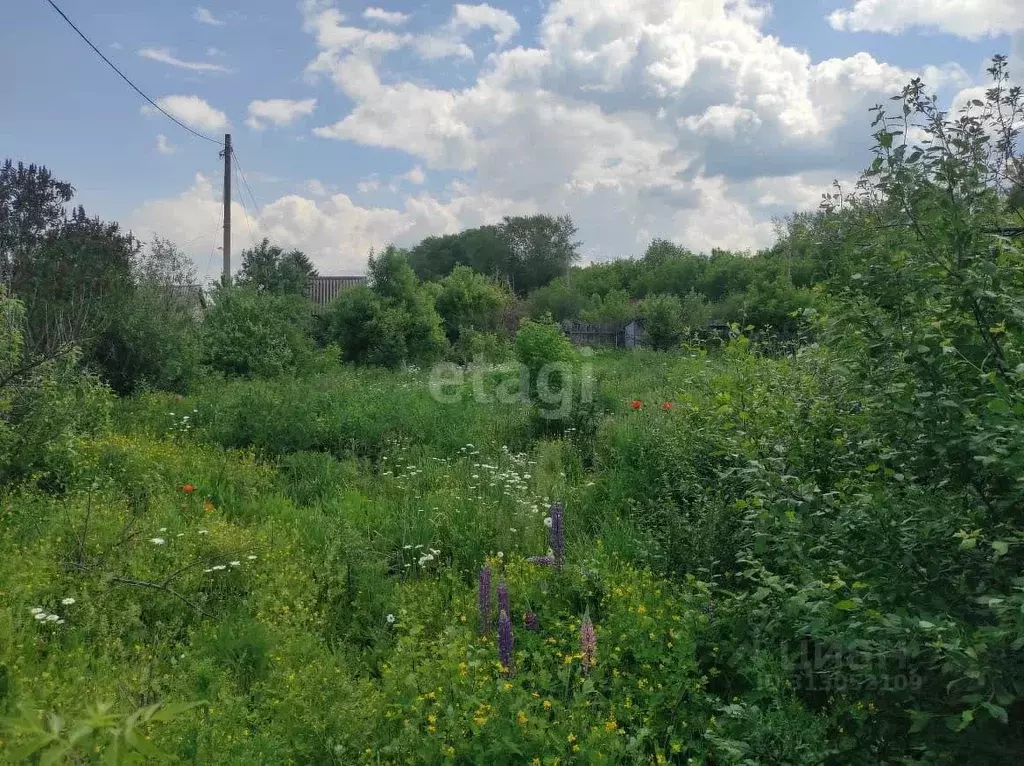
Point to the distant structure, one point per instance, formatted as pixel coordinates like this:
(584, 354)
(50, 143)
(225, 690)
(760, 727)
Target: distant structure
(323, 290)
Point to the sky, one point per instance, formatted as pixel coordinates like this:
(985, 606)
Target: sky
(698, 121)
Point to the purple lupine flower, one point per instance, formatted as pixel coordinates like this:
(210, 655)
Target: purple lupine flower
(505, 642)
(542, 561)
(588, 643)
(484, 598)
(503, 605)
(532, 621)
(558, 534)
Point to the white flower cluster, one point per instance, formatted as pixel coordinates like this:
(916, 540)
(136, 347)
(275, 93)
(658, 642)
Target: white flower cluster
(41, 615)
(222, 567)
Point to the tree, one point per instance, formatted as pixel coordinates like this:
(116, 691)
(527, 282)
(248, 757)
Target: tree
(31, 207)
(542, 247)
(663, 321)
(268, 268)
(467, 300)
(389, 322)
(153, 338)
(251, 334)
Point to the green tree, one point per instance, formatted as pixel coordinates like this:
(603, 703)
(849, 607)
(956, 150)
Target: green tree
(468, 300)
(663, 321)
(268, 268)
(250, 334)
(543, 247)
(31, 207)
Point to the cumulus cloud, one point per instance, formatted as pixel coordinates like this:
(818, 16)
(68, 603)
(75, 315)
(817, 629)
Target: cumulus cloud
(972, 20)
(683, 120)
(191, 110)
(278, 111)
(394, 18)
(483, 16)
(334, 231)
(164, 56)
(163, 146)
(204, 16)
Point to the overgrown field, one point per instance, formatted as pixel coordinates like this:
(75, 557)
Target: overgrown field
(301, 557)
(261, 534)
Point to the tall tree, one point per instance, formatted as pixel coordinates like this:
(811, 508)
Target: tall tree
(31, 206)
(543, 247)
(269, 268)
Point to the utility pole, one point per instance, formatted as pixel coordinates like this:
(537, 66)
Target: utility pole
(226, 154)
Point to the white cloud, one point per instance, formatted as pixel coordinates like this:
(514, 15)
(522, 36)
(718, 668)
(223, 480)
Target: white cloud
(163, 55)
(434, 47)
(163, 145)
(644, 118)
(415, 176)
(483, 16)
(203, 16)
(278, 111)
(334, 231)
(191, 110)
(972, 19)
(394, 18)
(316, 188)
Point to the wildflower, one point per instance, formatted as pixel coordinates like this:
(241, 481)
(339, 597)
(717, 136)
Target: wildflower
(52, 618)
(162, 529)
(588, 642)
(40, 615)
(157, 540)
(218, 568)
(500, 555)
(505, 641)
(547, 522)
(547, 704)
(558, 533)
(532, 621)
(204, 532)
(207, 506)
(188, 489)
(484, 597)
(542, 561)
(391, 619)
(503, 603)
(521, 718)
(60, 621)
(636, 404)
(610, 726)
(67, 601)
(236, 563)
(35, 610)
(667, 406)
(251, 557)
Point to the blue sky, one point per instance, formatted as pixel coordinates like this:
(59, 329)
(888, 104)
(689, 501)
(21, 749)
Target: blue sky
(357, 124)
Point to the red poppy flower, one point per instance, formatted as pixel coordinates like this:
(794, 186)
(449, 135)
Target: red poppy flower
(667, 406)
(188, 489)
(207, 506)
(636, 404)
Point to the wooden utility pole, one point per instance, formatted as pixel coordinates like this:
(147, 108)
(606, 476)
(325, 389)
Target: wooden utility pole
(227, 208)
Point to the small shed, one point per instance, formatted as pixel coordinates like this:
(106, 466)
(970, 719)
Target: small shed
(323, 290)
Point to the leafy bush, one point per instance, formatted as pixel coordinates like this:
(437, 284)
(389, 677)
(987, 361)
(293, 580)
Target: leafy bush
(663, 321)
(256, 335)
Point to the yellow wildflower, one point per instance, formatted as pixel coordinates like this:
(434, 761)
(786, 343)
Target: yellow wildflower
(521, 718)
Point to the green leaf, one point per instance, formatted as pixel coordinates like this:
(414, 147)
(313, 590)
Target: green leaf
(847, 605)
(1001, 547)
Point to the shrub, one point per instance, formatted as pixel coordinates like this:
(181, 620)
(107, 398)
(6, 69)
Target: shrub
(663, 320)
(256, 335)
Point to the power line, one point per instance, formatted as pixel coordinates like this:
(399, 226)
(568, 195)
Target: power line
(252, 238)
(238, 165)
(125, 78)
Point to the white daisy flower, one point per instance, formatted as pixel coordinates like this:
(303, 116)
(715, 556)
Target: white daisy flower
(391, 619)
(67, 601)
(501, 555)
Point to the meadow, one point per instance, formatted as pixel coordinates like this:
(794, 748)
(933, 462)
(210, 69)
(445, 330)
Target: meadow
(420, 527)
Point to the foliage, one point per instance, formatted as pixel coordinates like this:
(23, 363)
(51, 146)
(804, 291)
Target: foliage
(153, 339)
(31, 206)
(391, 322)
(663, 321)
(249, 334)
(467, 300)
(268, 268)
